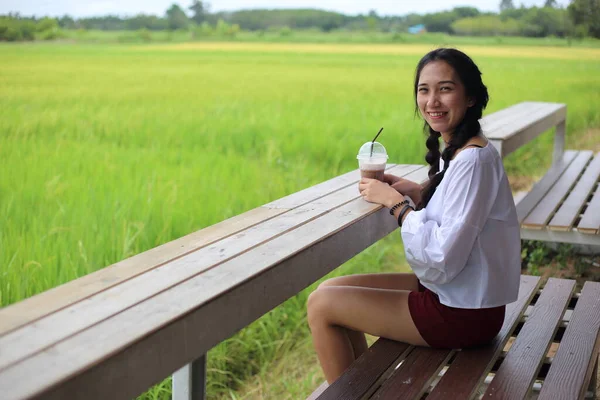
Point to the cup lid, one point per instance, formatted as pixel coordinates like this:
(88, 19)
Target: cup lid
(379, 151)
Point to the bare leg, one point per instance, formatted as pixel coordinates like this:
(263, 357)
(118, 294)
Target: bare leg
(379, 312)
(396, 281)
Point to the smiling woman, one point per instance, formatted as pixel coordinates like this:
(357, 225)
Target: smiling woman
(462, 244)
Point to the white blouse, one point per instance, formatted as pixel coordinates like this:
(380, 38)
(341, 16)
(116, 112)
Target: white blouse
(465, 245)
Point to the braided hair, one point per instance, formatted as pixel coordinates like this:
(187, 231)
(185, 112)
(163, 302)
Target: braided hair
(469, 127)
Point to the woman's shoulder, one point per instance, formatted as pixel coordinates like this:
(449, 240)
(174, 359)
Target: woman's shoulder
(477, 155)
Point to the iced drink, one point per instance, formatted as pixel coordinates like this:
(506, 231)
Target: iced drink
(372, 158)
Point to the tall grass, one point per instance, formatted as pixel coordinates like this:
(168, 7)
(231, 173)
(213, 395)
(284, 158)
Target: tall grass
(107, 151)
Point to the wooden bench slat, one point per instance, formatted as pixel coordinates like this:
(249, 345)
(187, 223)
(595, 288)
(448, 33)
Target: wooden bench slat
(471, 366)
(569, 210)
(128, 343)
(538, 218)
(572, 366)
(542, 187)
(531, 127)
(523, 115)
(312, 193)
(412, 379)
(519, 369)
(366, 370)
(32, 308)
(60, 324)
(590, 221)
(28, 310)
(490, 124)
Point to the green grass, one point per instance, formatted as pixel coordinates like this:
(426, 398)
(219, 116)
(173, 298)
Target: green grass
(110, 150)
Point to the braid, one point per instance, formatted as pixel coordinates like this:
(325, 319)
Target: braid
(433, 156)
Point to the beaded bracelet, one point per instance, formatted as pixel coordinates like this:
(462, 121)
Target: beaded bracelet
(404, 211)
(403, 202)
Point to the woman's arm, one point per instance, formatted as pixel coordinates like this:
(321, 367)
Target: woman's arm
(437, 252)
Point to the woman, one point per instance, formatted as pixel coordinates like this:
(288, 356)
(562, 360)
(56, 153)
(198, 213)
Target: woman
(462, 242)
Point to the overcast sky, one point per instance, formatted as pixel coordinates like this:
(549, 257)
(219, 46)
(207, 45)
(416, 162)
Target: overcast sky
(84, 8)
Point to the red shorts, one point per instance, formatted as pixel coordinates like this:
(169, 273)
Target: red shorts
(453, 328)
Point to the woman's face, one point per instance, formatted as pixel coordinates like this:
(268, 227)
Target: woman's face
(441, 97)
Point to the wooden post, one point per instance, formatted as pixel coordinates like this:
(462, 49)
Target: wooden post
(189, 382)
(559, 142)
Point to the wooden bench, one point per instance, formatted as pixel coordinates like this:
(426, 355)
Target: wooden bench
(562, 206)
(546, 349)
(116, 332)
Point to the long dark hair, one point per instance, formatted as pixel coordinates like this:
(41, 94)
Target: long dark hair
(470, 76)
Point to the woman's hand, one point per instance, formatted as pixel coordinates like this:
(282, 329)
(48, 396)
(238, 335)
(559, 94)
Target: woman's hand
(407, 188)
(375, 191)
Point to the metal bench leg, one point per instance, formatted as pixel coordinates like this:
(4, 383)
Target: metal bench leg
(189, 382)
(559, 142)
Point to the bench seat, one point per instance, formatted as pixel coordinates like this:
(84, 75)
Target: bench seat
(564, 205)
(546, 349)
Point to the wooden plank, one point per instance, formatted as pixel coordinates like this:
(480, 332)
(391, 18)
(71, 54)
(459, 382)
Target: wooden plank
(28, 310)
(570, 209)
(413, 377)
(534, 129)
(141, 345)
(541, 214)
(590, 221)
(419, 175)
(100, 306)
(318, 391)
(367, 370)
(322, 189)
(542, 187)
(490, 124)
(536, 113)
(571, 368)
(519, 369)
(471, 366)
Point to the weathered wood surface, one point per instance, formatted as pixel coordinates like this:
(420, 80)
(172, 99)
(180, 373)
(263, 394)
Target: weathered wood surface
(571, 207)
(471, 366)
(538, 218)
(515, 376)
(573, 363)
(152, 323)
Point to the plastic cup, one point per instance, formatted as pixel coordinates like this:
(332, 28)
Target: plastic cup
(372, 164)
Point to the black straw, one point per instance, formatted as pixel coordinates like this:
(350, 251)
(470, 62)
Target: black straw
(373, 141)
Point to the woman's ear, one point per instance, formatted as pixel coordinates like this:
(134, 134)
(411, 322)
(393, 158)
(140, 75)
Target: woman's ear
(471, 102)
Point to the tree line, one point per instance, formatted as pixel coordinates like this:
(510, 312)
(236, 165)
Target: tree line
(580, 19)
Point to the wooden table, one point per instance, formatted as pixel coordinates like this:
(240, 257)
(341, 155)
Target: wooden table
(116, 332)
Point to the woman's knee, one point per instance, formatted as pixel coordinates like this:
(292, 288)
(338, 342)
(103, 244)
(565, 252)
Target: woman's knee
(317, 306)
(337, 281)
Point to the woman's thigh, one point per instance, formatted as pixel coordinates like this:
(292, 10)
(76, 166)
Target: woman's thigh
(393, 281)
(378, 312)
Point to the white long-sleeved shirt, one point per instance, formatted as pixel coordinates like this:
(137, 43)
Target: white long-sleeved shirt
(465, 245)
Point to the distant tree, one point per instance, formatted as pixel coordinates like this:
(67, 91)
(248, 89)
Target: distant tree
(200, 10)
(372, 20)
(177, 17)
(465, 12)
(550, 4)
(586, 14)
(506, 5)
(67, 22)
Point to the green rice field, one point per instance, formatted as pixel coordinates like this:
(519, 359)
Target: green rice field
(108, 150)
